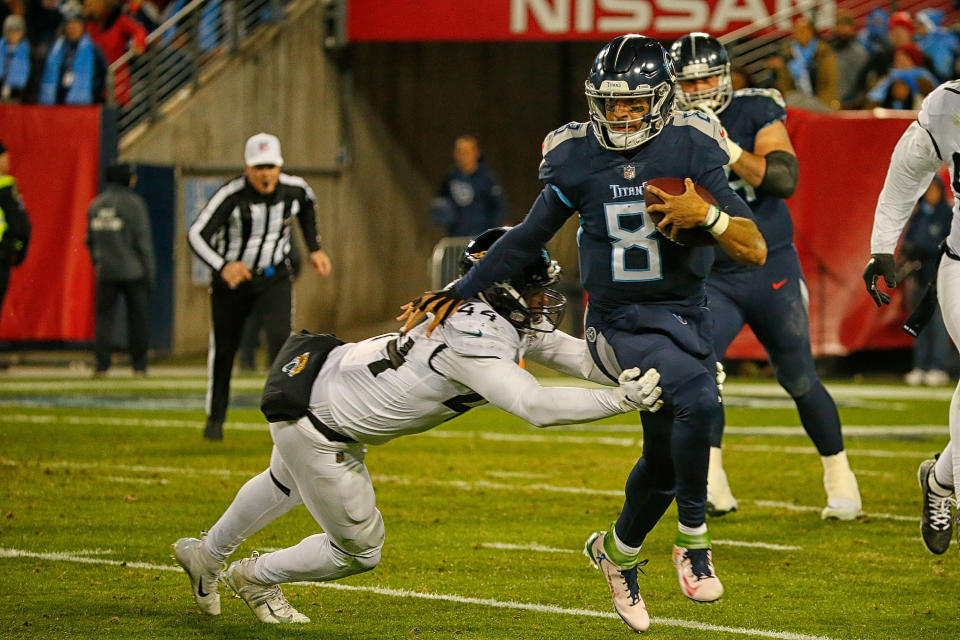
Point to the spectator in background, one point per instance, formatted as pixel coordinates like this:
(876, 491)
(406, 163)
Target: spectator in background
(873, 36)
(14, 60)
(806, 71)
(470, 199)
(75, 71)
(851, 60)
(905, 86)
(940, 45)
(14, 224)
(43, 19)
(929, 226)
(115, 31)
(118, 236)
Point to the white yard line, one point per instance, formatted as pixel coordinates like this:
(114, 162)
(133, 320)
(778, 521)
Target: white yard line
(136, 480)
(516, 474)
(404, 593)
(554, 435)
(533, 546)
(414, 481)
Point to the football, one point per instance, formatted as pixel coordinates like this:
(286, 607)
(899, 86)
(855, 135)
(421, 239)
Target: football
(696, 237)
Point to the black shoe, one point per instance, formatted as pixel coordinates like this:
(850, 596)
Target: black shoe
(936, 522)
(213, 430)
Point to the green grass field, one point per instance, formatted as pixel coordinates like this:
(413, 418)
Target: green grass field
(485, 519)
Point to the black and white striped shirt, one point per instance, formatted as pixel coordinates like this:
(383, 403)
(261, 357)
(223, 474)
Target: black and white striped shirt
(239, 223)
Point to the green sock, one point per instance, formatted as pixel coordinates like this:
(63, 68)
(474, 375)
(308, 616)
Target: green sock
(689, 541)
(621, 559)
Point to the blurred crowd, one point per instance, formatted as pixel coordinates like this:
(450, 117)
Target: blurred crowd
(59, 51)
(893, 61)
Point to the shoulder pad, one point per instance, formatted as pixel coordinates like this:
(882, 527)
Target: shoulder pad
(564, 133)
(701, 122)
(771, 94)
(481, 333)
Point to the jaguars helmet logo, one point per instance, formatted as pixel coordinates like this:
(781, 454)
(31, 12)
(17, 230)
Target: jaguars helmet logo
(296, 365)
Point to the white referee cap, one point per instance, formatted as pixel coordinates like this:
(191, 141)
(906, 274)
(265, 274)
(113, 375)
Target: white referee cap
(262, 148)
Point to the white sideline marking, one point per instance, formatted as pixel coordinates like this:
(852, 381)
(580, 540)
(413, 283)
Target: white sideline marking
(772, 431)
(403, 593)
(867, 453)
(516, 474)
(851, 430)
(533, 546)
(789, 506)
(409, 481)
(136, 480)
(542, 549)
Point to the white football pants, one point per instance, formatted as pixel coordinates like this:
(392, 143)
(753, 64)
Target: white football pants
(948, 293)
(332, 481)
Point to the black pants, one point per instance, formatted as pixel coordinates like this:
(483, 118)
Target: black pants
(230, 309)
(136, 294)
(4, 281)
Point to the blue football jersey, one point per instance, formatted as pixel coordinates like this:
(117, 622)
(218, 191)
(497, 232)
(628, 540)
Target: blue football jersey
(623, 258)
(749, 111)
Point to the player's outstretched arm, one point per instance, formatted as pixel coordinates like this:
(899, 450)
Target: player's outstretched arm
(739, 237)
(442, 304)
(505, 385)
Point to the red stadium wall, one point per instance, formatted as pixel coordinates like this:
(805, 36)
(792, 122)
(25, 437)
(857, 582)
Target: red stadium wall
(843, 162)
(54, 155)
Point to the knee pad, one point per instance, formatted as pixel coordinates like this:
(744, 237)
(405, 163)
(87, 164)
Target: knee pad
(364, 547)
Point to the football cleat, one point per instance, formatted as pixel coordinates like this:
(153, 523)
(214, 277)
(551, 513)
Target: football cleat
(203, 571)
(843, 494)
(265, 600)
(720, 498)
(698, 581)
(622, 582)
(936, 522)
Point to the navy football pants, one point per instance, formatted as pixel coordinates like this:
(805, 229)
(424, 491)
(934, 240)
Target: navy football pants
(772, 299)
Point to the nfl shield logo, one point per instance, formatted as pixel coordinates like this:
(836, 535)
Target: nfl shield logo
(629, 172)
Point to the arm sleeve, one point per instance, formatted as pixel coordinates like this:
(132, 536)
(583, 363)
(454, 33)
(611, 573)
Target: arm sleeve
(912, 166)
(519, 246)
(507, 386)
(210, 220)
(566, 354)
(308, 219)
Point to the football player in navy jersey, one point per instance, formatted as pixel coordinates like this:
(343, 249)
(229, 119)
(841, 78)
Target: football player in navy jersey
(772, 299)
(646, 293)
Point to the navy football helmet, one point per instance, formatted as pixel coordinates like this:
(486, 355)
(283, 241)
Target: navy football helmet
(696, 56)
(629, 67)
(526, 299)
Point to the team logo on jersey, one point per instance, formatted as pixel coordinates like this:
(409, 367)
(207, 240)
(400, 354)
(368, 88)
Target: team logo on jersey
(296, 365)
(591, 334)
(629, 172)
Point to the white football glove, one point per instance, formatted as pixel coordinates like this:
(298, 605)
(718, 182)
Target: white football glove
(735, 150)
(721, 376)
(640, 392)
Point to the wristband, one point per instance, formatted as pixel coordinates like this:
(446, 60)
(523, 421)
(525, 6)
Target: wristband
(713, 214)
(720, 225)
(734, 150)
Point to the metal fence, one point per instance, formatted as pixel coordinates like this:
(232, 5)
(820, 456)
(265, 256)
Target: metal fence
(444, 263)
(179, 51)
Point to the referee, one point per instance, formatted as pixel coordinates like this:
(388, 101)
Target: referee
(243, 234)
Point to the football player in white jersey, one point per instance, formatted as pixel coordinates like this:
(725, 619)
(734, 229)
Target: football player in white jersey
(927, 143)
(384, 387)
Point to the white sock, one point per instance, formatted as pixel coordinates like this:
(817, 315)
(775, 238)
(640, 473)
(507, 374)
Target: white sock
(836, 463)
(941, 479)
(622, 547)
(692, 531)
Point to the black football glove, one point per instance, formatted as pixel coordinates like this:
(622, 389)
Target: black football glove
(442, 304)
(880, 264)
